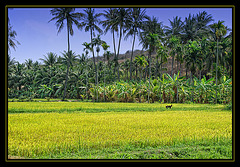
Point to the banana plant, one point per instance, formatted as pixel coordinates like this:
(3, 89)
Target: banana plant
(202, 87)
(44, 91)
(165, 86)
(225, 89)
(175, 81)
(111, 92)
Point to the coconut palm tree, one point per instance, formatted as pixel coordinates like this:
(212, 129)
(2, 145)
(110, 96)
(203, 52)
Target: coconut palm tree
(11, 62)
(60, 15)
(122, 20)
(150, 26)
(196, 27)
(90, 21)
(189, 29)
(16, 78)
(110, 24)
(68, 59)
(133, 28)
(175, 28)
(49, 60)
(29, 63)
(12, 37)
(202, 21)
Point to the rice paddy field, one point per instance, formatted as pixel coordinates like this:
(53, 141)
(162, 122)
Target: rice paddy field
(83, 130)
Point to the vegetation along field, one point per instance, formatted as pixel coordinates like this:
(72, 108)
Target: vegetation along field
(79, 130)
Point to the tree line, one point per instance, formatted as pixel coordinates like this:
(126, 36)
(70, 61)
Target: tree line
(193, 42)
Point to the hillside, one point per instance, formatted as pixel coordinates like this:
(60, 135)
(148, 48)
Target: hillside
(167, 66)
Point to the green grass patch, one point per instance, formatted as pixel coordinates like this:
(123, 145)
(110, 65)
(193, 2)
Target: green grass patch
(88, 107)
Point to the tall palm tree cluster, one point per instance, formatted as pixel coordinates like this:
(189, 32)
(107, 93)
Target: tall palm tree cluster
(203, 49)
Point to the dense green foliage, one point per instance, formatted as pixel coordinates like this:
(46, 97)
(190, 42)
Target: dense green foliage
(204, 49)
(163, 89)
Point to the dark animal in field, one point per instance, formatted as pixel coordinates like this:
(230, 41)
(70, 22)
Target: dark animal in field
(169, 106)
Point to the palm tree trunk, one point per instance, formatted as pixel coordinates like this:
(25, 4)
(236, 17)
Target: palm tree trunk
(115, 55)
(104, 67)
(160, 79)
(172, 66)
(200, 74)
(192, 86)
(118, 51)
(156, 68)
(94, 61)
(97, 76)
(114, 46)
(216, 70)
(140, 84)
(87, 82)
(136, 71)
(177, 82)
(132, 56)
(66, 79)
(180, 68)
(149, 76)
(186, 73)
(146, 70)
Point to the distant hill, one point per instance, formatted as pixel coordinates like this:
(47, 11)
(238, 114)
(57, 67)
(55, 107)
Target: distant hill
(167, 67)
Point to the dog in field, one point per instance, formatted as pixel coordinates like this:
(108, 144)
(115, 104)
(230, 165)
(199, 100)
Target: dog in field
(169, 106)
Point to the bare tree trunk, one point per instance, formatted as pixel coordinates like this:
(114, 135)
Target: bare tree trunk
(136, 71)
(66, 79)
(94, 61)
(104, 68)
(216, 70)
(177, 82)
(192, 86)
(186, 73)
(140, 83)
(149, 76)
(118, 51)
(115, 55)
(97, 76)
(180, 69)
(132, 57)
(156, 68)
(172, 66)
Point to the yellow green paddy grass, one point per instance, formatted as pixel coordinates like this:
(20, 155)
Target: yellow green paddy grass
(118, 130)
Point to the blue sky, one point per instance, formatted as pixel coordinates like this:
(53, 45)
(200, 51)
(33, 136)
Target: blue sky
(38, 37)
